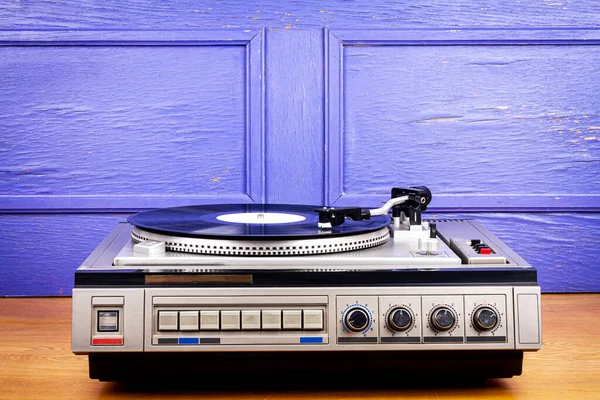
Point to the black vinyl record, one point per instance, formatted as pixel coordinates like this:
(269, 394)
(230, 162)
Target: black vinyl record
(252, 221)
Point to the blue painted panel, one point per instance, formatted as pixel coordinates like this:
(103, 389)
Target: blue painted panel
(294, 147)
(39, 253)
(127, 37)
(478, 124)
(127, 121)
(169, 125)
(296, 160)
(296, 14)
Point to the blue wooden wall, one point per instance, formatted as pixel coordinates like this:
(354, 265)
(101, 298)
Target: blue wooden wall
(107, 108)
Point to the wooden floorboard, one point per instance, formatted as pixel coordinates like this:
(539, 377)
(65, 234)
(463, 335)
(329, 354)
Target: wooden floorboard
(36, 361)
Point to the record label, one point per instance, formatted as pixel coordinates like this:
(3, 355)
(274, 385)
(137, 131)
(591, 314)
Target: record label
(261, 218)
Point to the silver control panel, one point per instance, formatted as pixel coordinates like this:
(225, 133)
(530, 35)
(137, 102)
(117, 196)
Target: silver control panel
(334, 318)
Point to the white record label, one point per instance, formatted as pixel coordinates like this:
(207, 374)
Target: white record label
(261, 218)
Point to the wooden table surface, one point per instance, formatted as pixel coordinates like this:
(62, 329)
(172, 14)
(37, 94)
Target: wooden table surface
(36, 361)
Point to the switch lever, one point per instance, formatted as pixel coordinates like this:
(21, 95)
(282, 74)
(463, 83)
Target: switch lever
(432, 230)
(430, 245)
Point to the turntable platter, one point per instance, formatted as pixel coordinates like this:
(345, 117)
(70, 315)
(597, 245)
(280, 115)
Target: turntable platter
(258, 221)
(254, 230)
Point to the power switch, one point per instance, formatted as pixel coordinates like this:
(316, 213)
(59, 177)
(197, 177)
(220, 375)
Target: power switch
(108, 321)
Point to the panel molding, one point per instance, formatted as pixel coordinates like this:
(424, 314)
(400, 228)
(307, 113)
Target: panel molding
(254, 43)
(336, 40)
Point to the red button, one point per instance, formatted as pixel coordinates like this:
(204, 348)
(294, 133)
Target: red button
(107, 341)
(485, 250)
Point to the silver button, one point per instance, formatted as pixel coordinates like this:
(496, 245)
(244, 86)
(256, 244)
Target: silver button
(167, 321)
(250, 319)
(230, 320)
(313, 319)
(188, 320)
(209, 320)
(271, 319)
(292, 319)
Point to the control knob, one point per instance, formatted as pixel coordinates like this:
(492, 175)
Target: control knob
(485, 319)
(357, 319)
(399, 319)
(442, 319)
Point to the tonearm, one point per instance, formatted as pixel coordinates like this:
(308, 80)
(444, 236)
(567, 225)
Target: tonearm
(408, 202)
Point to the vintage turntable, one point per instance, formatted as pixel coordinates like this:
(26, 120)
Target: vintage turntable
(290, 290)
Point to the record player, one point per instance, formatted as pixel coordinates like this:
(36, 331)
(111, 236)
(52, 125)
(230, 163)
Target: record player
(290, 290)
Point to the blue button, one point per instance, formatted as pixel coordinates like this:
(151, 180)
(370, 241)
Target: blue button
(311, 339)
(190, 340)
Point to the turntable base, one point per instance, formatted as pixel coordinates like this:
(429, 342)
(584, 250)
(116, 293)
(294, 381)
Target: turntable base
(37, 364)
(304, 289)
(294, 369)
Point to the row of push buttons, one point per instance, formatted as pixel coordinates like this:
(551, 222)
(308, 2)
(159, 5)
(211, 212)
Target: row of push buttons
(481, 247)
(232, 320)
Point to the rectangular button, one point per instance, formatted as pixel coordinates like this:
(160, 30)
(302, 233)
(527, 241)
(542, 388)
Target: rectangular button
(230, 320)
(271, 319)
(149, 248)
(188, 320)
(209, 320)
(167, 321)
(313, 319)
(250, 319)
(292, 319)
(108, 321)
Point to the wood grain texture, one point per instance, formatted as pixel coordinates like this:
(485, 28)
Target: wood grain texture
(295, 14)
(295, 117)
(473, 120)
(151, 130)
(36, 361)
(39, 253)
(122, 121)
